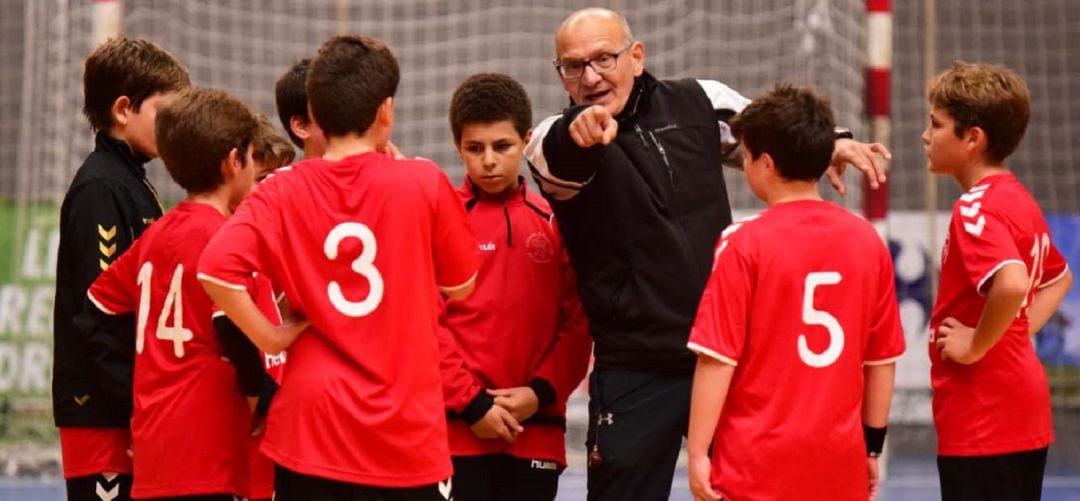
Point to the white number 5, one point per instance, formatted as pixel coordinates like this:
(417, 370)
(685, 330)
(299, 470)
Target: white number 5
(810, 316)
(364, 265)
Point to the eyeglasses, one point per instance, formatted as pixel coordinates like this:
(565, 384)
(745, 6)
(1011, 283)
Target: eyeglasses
(573, 69)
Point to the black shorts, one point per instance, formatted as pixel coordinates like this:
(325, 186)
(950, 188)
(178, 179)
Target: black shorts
(502, 476)
(1005, 477)
(98, 487)
(292, 486)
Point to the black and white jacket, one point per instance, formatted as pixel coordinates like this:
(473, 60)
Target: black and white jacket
(640, 217)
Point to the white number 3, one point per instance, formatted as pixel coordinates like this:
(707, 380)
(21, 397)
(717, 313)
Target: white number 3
(364, 265)
(810, 316)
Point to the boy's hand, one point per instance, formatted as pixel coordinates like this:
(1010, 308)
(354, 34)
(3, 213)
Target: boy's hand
(521, 401)
(594, 126)
(875, 478)
(497, 423)
(867, 157)
(954, 340)
(700, 486)
(392, 151)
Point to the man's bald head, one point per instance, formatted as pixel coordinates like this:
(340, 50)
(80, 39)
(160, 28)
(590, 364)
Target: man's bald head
(592, 35)
(592, 15)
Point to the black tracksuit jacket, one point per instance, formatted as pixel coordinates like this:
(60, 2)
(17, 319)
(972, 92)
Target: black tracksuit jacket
(108, 205)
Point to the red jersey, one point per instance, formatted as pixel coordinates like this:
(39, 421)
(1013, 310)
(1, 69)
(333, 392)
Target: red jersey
(358, 246)
(190, 423)
(801, 297)
(524, 321)
(1000, 404)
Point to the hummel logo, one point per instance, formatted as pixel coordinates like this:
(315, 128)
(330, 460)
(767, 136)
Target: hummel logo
(108, 495)
(444, 489)
(976, 228)
(971, 211)
(974, 193)
(537, 464)
(488, 247)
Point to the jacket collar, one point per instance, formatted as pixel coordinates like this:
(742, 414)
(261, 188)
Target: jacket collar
(643, 86)
(132, 160)
(508, 195)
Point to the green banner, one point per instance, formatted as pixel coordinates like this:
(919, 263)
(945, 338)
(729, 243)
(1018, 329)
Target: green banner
(29, 235)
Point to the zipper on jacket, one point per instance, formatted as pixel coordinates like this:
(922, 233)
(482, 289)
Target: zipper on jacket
(641, 135)
(509, 233)
(663, 156)
(154, 192)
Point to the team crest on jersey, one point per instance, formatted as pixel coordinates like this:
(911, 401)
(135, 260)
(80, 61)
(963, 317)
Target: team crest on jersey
(539, 248)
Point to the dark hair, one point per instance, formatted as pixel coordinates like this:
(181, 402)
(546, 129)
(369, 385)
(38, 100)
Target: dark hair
(794, 125)
(196, 130)
(269, 147)
(130, 67)
(988, 96)
(487, 98)
(348, 80)
(291, 97)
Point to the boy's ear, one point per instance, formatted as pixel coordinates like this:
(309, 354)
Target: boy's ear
(231, 165)
(528, 136)
(767, 162)
(121, 110)
(385, 114)
(300, 126)
(975, 138)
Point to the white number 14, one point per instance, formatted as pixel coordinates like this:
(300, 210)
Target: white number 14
(173, 304)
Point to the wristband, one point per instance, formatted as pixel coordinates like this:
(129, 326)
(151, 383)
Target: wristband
(875, 440)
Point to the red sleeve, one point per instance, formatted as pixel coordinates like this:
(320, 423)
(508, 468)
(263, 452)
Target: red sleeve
(460, 386)
(116, 290)
(237, 250)
(455, 245)
(724, 312)
(984, 243)
(886, 338)
(568, 361)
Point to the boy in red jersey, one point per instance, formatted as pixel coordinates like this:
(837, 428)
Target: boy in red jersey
(358, 241)
(292, 107)
(519, 345)
(1001, 280)
(798, 332)
(258, 374)
(189, 424)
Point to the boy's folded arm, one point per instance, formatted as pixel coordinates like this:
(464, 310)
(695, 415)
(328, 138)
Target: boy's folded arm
(250, 369)
(1046, 302)
(463, 394)
(1004, 298)
(237, 304)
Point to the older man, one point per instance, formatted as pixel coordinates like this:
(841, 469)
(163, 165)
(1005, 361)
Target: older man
(632, 170)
